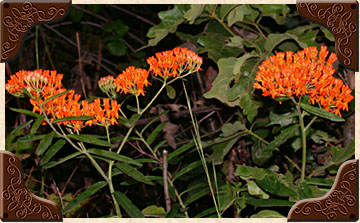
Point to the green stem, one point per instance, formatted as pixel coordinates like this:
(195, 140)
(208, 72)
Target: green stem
(310, 123)
(137, 104)
(303, 137)
(37, 46)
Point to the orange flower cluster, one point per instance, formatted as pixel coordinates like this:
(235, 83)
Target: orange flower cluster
(308, 72)
(172, 63)
(132, 80)
(46, 84)
(35, 82)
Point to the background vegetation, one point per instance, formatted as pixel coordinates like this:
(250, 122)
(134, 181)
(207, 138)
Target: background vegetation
(235, 122)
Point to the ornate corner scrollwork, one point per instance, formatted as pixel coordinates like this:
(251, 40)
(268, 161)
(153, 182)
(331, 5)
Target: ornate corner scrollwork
(341, 203)
(18, 17)
(342, 20)
(16, 201)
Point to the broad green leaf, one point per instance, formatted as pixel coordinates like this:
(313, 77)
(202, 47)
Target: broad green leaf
(247, 172)
(187, 169)
(26, 112)
(194, 12)
(320, 112)
(276, 11)
(215, 45)
(231, 128)
(52, 151)
(114, 156)
(45, 143)
(238, 14)
(73, 118)
(273, 185)
(341, 155)
(170, 20)
(153, 211)
(258, 155)
(55, 96)
(267, 214)
(241, 60)
(269, 202)
(320, 137)
(155, 133)
(170, 91)
(236, 41)
(36, 125)
(225, 9)
(127, 205)
(220, 86)
(60, 161)
(273, 40)
(221, 150)
(250, 107)
(304, 191)
(283, 120)
(226, 197)
(83, 196)
(89, 139)
(117, 47)
(255, 190)
(133, 173)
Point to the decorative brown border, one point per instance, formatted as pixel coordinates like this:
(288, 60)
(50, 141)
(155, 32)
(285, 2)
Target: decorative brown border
(17, 18)
(342, 19)
(16, 201)
(339, 204)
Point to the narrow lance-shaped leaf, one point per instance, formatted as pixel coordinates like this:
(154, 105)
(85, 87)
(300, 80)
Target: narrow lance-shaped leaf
(320, 112)
(89, 139)
(127, 205)
(45, 143)
(114, 156)
(52, 151)
(83, 196)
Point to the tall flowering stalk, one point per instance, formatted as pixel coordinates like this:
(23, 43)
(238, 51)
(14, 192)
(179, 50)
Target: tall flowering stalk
(305, 73)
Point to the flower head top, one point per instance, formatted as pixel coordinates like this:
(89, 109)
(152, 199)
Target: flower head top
(307, 72)
(174, 62)
(132, 80)
(37, 81)
(108, 86)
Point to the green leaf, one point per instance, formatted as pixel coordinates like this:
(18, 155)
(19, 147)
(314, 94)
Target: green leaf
(238, 14)
(170, 20)
(45, 143)
(31, 138)
(281, 138)
(60, 161)
(187, 169)
(180, 150)
(117, 47)
(206, 213)
(127, 205)
(153, 211)
(320, 112)
(276, 186)
(55, 96)
(194, 12)
(170, 91)
(36, 125)
(221, 150)
(328, 34)
(229, 129)
(133, 173)
(73, 118)
(28, 93)
(155, 132)
(89, 139)
(241, 60)
(194, 197)
(255, 190)
(247, 172)
(283, 120)
(21, 127)
(341, 155)
(52, 151)
(114, 156)
(273, 40)
(258, 155)
(174, 211)
(153, 119)
(220, 86)
(83, 196)
(269, 202)
(276, 11)
(267, 214)
(304, 191)
(215, 45)
(236, 41)
(26, 112)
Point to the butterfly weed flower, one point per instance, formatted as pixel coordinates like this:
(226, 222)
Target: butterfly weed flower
(108, 86)
(36, 82)
(307, 72)
(132, 80)
(173, 63)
